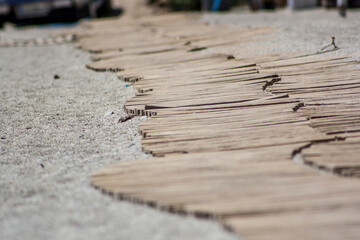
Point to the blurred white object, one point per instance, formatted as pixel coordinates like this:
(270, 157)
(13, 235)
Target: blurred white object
(297, 4)
(341, 3)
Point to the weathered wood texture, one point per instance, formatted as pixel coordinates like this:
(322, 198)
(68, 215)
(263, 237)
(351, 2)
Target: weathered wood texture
(224, 131)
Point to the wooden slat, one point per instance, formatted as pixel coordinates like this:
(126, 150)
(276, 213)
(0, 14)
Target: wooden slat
(226, 131)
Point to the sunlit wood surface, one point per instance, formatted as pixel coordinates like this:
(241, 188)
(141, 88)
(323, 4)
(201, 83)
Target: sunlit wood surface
(266, 144)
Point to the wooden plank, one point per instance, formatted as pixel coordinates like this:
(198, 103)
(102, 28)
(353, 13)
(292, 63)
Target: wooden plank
(229, 130)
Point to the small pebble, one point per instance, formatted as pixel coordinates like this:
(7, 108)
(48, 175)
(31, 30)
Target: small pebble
(109, 113)
(229, 57)
(56, 76)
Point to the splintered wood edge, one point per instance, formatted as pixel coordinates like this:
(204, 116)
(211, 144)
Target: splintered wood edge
(153, 203)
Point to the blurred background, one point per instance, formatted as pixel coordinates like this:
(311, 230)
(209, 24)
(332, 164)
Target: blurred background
(24, 12)
(27, 12)
(223, 5)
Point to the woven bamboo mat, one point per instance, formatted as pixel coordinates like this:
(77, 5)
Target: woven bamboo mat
(266, 144)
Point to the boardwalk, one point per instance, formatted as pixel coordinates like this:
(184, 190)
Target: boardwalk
(267, 145)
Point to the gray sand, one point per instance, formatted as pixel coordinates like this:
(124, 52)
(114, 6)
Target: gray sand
(66, 125)
(53, 134)
(301, 32)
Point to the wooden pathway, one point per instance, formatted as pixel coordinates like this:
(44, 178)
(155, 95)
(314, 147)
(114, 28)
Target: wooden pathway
(266, 144)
